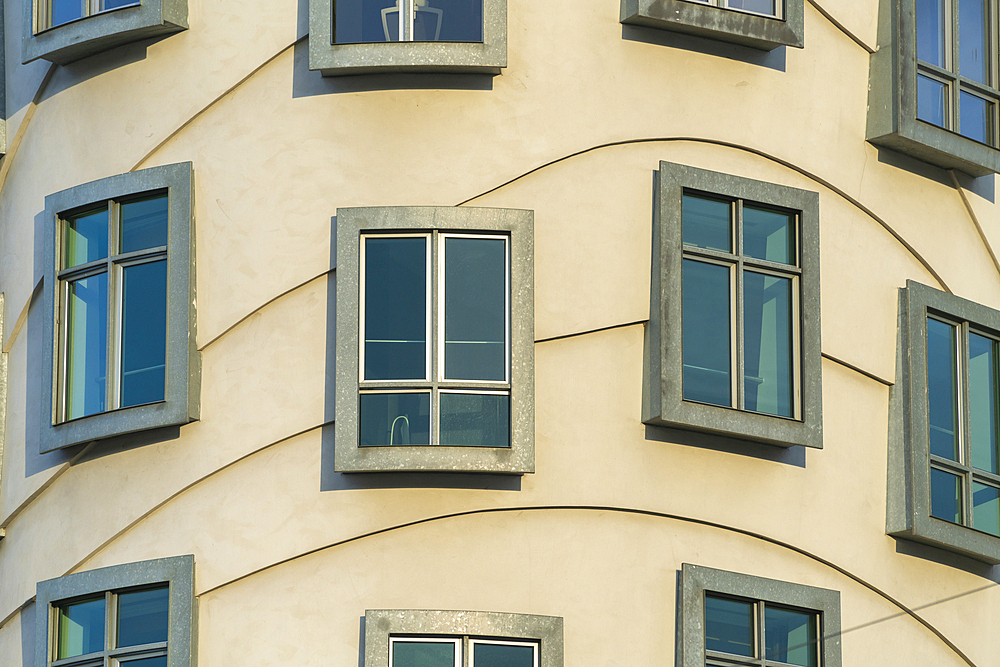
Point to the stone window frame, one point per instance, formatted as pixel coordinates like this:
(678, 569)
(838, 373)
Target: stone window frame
(908, 513)
(88, 35)
(183, 361)
(519, 458)
(663, 402)
(892, 101)
(697, 580)
(729, 25)
(381, 624)
(486, 57)
(176, 571)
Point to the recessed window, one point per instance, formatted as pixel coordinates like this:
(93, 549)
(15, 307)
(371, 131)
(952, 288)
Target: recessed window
(410, 651)
(408, 21)
(56, 12)
(753, 632)
(762, 7)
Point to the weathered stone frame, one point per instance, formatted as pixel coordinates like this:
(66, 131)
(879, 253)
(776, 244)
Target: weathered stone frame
(697, 580)
(380, 624)
(183, 361)
(176, 571)
(486, 57)
(759, 32)
(663, 402)
(519, 458)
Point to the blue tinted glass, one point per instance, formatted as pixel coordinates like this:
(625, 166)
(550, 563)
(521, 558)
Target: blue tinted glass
(143, 617)
(365, 21)
(930, 31)
(769, 235)
(144, 333)
(394, 419)
(86, 238)
(706, 324)
(475, 420)
(395, 303)
(790, 637)
(983, 402)
(423, 654)
(86, 346)
(973, 56)
(81, 629)
(475, 309)
(502, 655)
(756, 6)
(942, 389)
(986, 508)
(448, 20)
(62, 11)
(729, 626)
(767, 344)
(931, 102)
(976, 117)
(144, 223)
(946, 496)
(159, 661)
(114, 4)
(706, 223)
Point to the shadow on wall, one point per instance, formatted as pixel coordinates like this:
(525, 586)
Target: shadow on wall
(947, 558)
(711, 47)
(85, 69)
(793, 456)
(28, 635)
(984, 186)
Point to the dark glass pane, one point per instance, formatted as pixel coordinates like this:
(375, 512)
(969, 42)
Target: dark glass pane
(706, 223)
(86, 238)
(423, 654)
(394, 419)
(475, 309)
(946, 496)
(81, 629)
(144, 223)
(974, 54)
(983, 402)
(767, 341)
(707, 332)
(931, 100)
(395, 308)
(86, 346)
(976, 117)
(502, 655)
(63, 11)
(143, 617)
(986, 508)
(144, 333)
(114, 4)
(459, 20)
(365, 21)
(769, 235)
(755, 6)
(931, 31)
(790, 636)
(942, 389)
(475, 420)
(159, 661)
(729, 626)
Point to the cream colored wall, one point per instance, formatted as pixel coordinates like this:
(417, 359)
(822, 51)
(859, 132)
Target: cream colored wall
(286, 551)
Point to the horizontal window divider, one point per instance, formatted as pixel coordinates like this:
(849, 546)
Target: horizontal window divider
(141, 256)
(96, 658)
(985, 477)
(694, 252)
(414, 386)
(948, 465)
(481, 388)
(771, 267)
(941, 73)
(84, 270)
(156, 647)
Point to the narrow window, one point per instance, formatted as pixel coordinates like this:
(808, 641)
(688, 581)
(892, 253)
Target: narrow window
(749, 632)
(358, 21)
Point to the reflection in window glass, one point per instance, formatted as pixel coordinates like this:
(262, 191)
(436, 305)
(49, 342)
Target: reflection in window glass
(86, 346)
(983, 402)
(475, 420)
(395, 303)
(972, 40)
(986, 508)
(706, 333)
(976, 117)
(487, 654)
(767, 339)
(143, 617)
(931, 100)
(432, 20)
(942, 389)
(144, 223)
(729, 626)
(424, 654)
(946, 496)
(86, 238)
(64, 11)
(790, 636)
(144, 333)
(81, 629)
(769, 235)
(931, 31)
(475, 309)
(394, 419)
(706, 223)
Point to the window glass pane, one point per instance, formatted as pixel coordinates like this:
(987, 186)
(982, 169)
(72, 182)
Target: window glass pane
(159, 661)
(81, 629)
(144, 333)
(86, 238)
(769, 235)
(942, 390)
(946, 496)
(114, 4)
(976, 117)
(63, 11)
(983, 402)
(986, 508)
(973, 56)
(767, 340)
(423, 654)
(931, 100)
(707, 332)
(459, 20)
(394, 419)
(475, 420)
(395, 308)
(475, 309)
(756, 6)
(706, 223)
(144, 223)
(729, 626)
(142, 617)
(790, 636)
(931, 31)
(502, 655)
(366, 21)
(86, 346)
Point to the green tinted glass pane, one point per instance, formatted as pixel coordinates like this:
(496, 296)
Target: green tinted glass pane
(144, 333)
(86, 346)
(423, 654)
(983, 412)
(707, 333)
(86, 238)
(143, 617)
(395, 302)
(729, 626)
(942, 389)
(790, 636)
(475, 309)
(475, 420)
(706, 223)
(986, 508)
(946, 496)
(767, 344)
(502, 655)
(81, 629)
(769, 235)
(144, 223)
(394, 419)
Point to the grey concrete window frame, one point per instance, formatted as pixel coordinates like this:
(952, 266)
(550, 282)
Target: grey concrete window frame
(86, 36)
(331, 59)
(381, 624)
(754, 30)
(697, 580)
(908, 504)
(519, 458)
(892, 101)
(177, 572)
(183, 361)
(663, 403)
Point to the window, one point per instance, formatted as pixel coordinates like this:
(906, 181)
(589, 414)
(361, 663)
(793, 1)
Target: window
(760, 24)
(951, 477)
(120, 287)
(934, 90)
(434, 330)
(734, 314)
(421, 638)
(66, 30)
(373, 36)
(134, 615)
(731, 619)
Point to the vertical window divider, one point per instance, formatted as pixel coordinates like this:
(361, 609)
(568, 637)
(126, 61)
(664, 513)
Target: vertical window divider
(758, 621)
(110, 326)
(965, 446)
(116, 288)
(435, 327)
(737, 307)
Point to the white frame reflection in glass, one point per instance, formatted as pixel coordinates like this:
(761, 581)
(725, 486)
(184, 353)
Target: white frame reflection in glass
(47, 13)
(376, 21)
(434, 382)
(777, 6)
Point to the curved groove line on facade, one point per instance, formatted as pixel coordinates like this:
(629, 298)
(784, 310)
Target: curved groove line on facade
(840, 26)
(22, 128)
(975, 219)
